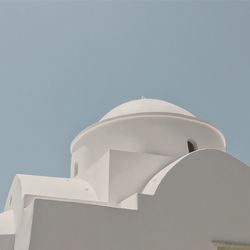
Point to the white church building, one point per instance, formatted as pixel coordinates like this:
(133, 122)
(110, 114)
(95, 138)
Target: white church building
(148, 176)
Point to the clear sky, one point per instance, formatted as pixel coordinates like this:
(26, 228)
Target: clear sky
(64, 64)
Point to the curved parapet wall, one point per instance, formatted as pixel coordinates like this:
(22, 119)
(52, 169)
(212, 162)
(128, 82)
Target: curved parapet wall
(208, 159)
(203, 198)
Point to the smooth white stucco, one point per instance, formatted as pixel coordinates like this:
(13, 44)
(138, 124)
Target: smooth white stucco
(155, 130)
(145, 105)
(197, 203)
(135, 184)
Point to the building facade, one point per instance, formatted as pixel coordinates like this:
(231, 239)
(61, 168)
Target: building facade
(148, 175)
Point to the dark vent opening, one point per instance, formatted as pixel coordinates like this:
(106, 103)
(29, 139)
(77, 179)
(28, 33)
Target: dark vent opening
(192, 146)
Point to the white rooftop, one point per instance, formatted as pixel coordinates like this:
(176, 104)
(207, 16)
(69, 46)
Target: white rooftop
(145, 105)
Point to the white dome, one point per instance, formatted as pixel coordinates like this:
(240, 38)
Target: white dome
(145, 106)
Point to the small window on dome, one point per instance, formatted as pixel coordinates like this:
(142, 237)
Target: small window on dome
(192, 146)
(76, 169)
(10, 201)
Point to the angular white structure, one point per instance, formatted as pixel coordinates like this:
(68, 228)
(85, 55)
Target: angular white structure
(148, 175)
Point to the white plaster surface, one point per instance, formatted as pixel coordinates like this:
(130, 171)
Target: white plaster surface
(135, 185)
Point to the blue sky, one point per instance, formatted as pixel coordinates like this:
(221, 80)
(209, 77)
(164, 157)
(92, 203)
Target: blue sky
(63, 65)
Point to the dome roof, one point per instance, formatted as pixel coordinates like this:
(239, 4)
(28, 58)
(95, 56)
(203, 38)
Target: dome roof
(145, 105)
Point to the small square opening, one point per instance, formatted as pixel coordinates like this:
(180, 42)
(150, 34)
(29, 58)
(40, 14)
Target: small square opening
(76, 169)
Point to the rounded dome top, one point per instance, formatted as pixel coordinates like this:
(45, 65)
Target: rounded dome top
(145, 105)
